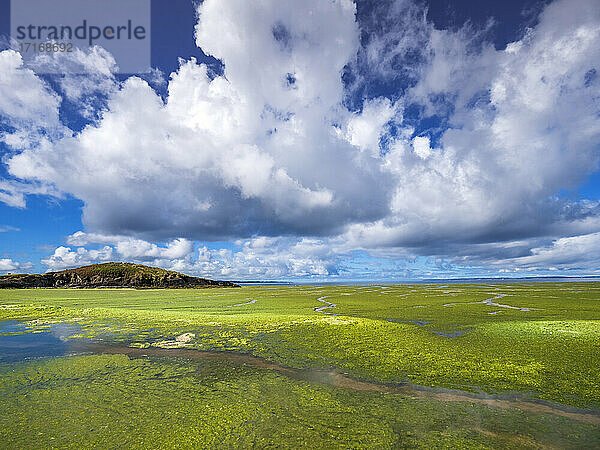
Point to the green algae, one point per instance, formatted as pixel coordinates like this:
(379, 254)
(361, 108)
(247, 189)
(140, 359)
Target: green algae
(115, 401)
(550, 352)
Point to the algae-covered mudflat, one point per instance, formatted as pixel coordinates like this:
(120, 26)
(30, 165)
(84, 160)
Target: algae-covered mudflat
(487, 365)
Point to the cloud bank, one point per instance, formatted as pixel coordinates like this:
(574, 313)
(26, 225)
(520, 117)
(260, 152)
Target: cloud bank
(315, 136)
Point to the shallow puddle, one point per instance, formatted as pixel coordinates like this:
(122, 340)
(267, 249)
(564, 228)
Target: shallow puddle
(17, 342)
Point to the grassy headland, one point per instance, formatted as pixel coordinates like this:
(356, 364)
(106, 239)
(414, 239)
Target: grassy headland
(111, 274)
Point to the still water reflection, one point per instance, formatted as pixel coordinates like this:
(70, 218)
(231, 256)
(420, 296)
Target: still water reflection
(17, 343)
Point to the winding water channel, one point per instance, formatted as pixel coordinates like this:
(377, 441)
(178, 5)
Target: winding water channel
(490, 302)
(334, 377)
(322, 309)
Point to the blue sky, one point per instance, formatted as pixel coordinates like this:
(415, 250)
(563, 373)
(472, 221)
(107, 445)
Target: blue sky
(384, 140)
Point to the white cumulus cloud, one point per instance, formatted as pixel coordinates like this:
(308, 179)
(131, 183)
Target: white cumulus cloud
(292, 142)
(7, 264)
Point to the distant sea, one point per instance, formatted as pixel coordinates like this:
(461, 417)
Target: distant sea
(422, 281)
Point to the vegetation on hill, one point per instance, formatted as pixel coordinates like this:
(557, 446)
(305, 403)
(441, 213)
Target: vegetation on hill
(110, 275)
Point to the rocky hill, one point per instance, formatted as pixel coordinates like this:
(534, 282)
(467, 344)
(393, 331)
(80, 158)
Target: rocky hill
(125, 275)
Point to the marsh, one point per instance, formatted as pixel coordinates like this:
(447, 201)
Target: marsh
(278, 370)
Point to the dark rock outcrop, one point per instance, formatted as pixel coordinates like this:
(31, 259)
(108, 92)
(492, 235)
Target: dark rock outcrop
(124, 275)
